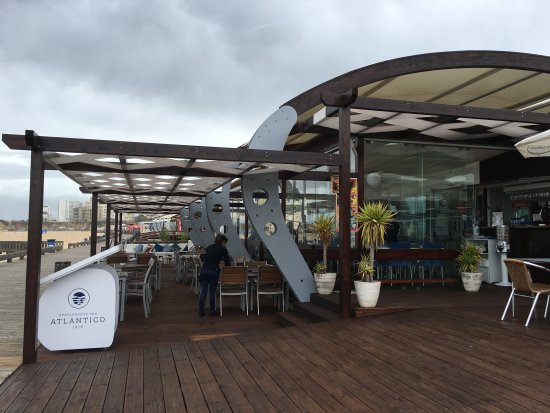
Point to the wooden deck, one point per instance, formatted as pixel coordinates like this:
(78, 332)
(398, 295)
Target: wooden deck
(423, 360)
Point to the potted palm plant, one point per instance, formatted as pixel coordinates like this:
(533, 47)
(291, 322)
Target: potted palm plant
(366, 289)
(468, 260)
(373, 219)
(323, 227)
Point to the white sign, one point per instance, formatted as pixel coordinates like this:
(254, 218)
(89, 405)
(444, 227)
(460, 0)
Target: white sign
(80, 310)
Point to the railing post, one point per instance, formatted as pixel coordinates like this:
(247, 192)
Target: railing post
(34, 248)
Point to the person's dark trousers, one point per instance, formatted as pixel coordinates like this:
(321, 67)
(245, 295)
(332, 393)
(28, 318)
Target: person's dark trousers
(209, 282)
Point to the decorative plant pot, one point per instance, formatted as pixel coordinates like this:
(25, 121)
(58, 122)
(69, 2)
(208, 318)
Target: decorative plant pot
(471, 280)
(367, 293)
(325, 282)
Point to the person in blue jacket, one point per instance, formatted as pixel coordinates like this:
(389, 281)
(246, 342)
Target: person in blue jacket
(210, 272)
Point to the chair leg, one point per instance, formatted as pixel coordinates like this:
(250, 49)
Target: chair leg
(532, 309)
(507, 305)
(258, 298)
(546, 309)
(145, 304)
(514, 306)
(246, 299)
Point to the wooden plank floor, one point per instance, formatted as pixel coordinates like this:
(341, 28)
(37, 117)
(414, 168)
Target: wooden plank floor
(174, 319)
(436, 360)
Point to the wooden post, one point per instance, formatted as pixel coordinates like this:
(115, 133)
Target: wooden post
(93, 236)
(116, 228)
(343, 102)
(108, 227)
(34, 245)
(120, 229)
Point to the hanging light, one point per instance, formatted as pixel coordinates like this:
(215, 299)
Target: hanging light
(374, 179)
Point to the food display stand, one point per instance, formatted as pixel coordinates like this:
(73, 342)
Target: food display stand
(79, 309)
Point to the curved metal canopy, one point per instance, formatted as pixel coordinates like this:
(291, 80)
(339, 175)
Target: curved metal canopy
(473, 96)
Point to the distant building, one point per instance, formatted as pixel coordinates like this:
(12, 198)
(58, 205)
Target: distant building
(46, 213)
(65, 211)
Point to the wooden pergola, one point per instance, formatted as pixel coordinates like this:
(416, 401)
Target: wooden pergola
(507, 100)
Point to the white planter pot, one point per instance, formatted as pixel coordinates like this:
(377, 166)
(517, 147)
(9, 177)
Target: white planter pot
(325, 282)
(471, 280)
(367, 293)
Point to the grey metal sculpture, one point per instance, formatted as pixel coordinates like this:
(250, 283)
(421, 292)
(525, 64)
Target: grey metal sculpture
(265, 212)
(188, 228)
(199, 218)
(219, 215)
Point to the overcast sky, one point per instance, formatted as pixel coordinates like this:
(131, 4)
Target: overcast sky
(209, 72)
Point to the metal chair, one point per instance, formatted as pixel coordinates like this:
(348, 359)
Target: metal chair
(142, 288)
(233, 282)
(523, 285)
(270, 282)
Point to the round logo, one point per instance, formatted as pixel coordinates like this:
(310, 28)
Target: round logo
(79, 298)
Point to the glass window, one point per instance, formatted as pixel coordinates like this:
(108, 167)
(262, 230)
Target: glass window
(430, 187)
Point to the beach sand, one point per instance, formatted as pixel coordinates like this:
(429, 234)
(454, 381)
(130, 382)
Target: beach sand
(65, 236)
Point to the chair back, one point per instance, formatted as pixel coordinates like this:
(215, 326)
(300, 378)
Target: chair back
(233, 276)
(143, 258)
(118, 258)
(520, 275)
(270, 275)
(149, 269)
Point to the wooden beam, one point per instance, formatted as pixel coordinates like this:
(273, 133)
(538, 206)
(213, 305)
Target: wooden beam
(428, 108)
(168, 170)
(141, 149)
(32, 286)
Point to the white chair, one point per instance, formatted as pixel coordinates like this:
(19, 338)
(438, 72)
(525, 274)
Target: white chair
(233, 282)
(270, 282)
(142, 288)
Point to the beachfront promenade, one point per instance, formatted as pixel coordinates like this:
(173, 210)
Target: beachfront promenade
(12, 300)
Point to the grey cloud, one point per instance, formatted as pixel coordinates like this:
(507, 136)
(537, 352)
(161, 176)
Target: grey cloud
(209, 72)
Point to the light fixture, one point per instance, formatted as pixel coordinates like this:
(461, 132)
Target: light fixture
(374, 179)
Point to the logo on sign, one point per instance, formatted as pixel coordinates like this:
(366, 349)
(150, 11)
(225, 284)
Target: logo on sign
(79, 298)
(538, 149)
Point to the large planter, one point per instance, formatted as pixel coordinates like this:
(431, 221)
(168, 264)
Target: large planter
(471, 280)
(325, 282)
(367, 293)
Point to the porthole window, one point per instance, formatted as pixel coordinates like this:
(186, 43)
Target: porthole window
(270, 228)
(260, 196)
